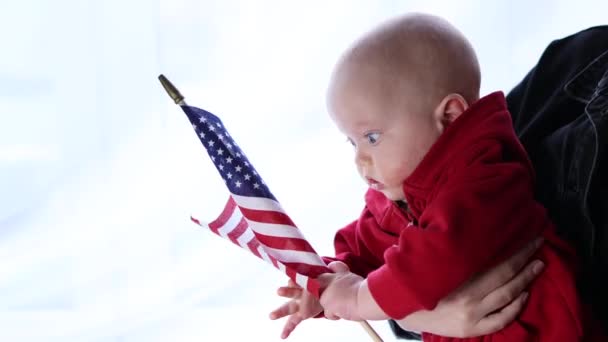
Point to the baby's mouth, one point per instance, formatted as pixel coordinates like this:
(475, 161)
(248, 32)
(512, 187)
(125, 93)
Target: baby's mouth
(374, 184)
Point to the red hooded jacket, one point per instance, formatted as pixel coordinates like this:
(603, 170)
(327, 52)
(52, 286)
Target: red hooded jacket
(470, 205)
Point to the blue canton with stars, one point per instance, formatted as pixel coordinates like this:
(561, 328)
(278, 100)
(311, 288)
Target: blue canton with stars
(234, 167)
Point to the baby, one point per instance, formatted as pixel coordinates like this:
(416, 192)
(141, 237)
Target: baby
(451, 190)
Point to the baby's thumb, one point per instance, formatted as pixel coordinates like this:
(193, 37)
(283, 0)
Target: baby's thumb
(338, 267)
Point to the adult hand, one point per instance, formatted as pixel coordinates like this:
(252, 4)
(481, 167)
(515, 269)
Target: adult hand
(483, 305)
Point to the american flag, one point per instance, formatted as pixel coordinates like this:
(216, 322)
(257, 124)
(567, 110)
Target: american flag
(252, 218)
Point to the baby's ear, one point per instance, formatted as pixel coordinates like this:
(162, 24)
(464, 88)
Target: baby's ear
(449, 109)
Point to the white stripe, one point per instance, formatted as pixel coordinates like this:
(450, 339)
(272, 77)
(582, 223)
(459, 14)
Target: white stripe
(232, 222)
(264, 254)
(302, 280)
(282, 268)
(295, 256)
(258, 203)
(278, 230)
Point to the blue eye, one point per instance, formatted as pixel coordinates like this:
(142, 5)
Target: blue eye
(372, 138)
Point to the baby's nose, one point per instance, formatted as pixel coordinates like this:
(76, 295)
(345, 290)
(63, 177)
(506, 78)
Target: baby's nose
(362, 160)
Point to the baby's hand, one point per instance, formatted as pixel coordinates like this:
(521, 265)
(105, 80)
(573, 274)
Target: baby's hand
(340, 297)
(302, 305)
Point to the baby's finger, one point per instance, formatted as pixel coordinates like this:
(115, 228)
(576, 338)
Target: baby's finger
(338, 267)
(331, 316)
(286, 309)
(290, 325)
(289, 292)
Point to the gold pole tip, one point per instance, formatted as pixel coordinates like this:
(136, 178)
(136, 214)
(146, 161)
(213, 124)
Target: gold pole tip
(175, 95)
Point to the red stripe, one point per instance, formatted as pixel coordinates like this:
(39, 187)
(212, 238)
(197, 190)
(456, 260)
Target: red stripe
(267, 216)
(285, 243)
(253, 247)
(314, 287)
(291, 273)
(312, 271)
(237, 231)
(224, 216)
(274, 261)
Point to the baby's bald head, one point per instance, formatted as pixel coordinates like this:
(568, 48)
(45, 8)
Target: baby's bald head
(395, 91)
(417, 56)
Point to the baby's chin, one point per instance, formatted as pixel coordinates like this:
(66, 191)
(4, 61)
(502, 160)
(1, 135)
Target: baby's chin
(394, 195)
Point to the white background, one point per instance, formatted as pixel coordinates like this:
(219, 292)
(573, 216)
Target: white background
(99, 170)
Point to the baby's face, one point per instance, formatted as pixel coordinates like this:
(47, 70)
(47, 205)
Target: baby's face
(390, 138)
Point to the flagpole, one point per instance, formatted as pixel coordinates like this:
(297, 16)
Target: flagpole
(179, 99)
(371, 332)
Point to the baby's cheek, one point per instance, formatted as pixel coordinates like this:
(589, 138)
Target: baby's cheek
(398, 173)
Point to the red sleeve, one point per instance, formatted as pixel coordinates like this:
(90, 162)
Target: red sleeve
(351, 248)
(482, 214)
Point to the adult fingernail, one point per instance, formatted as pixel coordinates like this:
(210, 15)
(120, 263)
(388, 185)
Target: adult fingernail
(538, 266)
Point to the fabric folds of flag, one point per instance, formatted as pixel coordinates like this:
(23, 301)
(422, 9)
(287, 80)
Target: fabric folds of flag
(252, 217)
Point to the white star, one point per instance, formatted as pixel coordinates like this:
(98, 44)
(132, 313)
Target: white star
(213, 158)
(211, 128)
(256, 186)
(220, 136)
(221, 167)
(194, 126)
(218, 124)
(229, 160)
(246, 163)
(238, 155)
(238, 184)
(202, 119)
(220, 152)
(227, 134)
(229, 175)
(247, 176)
(202, 135)
(211, 143)
(255, 173)
(238, 168)
(229, 145)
